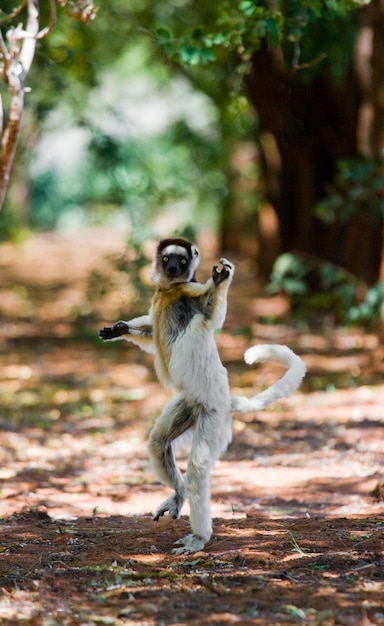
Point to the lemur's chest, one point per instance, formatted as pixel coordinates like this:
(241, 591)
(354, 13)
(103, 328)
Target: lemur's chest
(172, 312)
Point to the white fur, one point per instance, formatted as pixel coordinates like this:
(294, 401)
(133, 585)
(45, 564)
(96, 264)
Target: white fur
(175, 250)
(283, 387)
(192, 352)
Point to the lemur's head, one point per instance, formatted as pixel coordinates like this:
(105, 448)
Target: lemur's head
(176, 261)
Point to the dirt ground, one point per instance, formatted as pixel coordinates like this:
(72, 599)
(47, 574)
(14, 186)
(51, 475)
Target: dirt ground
(298, 499)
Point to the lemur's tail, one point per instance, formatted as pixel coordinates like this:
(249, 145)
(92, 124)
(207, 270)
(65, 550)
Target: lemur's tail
(282, 388)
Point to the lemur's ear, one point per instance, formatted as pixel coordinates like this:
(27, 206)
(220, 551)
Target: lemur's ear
(194, 251)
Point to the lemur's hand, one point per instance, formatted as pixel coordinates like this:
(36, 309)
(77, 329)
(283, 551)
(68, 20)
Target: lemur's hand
(111, 332)
(226, 272)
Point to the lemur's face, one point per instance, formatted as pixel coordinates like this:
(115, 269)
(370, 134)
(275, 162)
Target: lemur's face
(176, 262)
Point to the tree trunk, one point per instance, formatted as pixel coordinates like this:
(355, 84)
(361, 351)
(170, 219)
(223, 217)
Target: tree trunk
(314, 125)
(16, 62)
(377, 96)
(377, 80)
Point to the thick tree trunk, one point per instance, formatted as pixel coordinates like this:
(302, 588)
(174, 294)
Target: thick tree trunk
(377, 96)
(377, 80)
(313, 125)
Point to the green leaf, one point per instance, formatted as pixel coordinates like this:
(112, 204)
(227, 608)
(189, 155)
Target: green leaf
(189, 55)
(294, 287)
(219, 39)
(207, 55)
(163, 35)
(247, 7)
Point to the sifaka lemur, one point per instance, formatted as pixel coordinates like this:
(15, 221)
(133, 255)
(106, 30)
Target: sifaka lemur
(179, 332)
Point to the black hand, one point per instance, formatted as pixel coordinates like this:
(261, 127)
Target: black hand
(106, 333)
(219, 277)
(111, 332)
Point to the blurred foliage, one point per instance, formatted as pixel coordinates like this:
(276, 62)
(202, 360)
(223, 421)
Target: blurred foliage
(131, 180)
(80, 85)
(370, 311)
(313, 36)
(314, 285)
(317, 288)
(209, 43)
(358, 188)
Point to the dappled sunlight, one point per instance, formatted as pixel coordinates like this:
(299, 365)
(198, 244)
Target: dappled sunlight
(251, 564)
(296, 499)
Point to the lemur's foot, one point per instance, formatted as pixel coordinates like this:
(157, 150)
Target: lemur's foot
(111, 332)
(173, 505)
(189, 544)
(226, 272)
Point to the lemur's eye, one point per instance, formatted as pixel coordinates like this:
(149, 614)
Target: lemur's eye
(183, 261)
(165, 259)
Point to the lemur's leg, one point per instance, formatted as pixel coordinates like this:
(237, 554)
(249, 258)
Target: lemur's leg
(175, 419)
(138, 330)
(211, 437)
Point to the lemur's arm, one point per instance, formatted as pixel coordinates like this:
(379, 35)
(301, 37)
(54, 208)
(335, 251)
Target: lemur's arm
(213, 293)
(215, 305)
(139, 331)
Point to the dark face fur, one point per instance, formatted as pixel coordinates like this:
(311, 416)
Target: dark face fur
(175, 262)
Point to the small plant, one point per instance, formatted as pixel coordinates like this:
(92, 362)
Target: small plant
(314, 285)
(296, 547)
(358, 189)
(371, 310)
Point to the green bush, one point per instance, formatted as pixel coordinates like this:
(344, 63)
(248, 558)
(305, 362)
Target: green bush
(358, 189)
(315, 286)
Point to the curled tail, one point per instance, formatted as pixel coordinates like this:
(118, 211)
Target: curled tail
(282, 388)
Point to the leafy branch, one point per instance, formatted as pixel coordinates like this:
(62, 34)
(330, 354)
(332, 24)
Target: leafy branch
(243, 28)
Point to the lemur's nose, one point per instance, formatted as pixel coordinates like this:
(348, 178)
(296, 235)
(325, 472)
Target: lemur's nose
(172, 269)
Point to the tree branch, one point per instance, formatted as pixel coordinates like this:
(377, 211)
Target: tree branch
(17, 52)
(16, 62)
(10, 16)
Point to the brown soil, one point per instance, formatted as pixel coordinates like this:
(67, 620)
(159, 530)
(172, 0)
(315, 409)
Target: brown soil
(298, 500)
